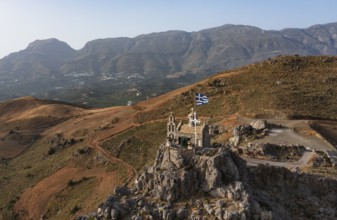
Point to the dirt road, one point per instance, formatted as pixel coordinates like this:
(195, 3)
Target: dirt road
(290, 165)
(294, 132)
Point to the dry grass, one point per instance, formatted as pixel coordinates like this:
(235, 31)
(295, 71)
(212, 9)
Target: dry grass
(286, 87)
(74, 195)
(137, 146)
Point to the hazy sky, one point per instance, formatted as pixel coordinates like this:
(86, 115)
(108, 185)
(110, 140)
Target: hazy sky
(79, 21)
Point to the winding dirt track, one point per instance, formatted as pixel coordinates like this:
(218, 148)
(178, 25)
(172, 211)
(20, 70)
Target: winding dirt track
(95, 144)
(34, 201)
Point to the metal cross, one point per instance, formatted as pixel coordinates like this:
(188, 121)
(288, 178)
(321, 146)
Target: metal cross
(195, 121)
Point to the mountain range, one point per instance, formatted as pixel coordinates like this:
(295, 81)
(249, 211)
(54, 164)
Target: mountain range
(111, 71)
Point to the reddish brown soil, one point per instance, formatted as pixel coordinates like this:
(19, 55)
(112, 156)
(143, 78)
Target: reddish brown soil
(101, 124)
(10, 148)
(33, 202)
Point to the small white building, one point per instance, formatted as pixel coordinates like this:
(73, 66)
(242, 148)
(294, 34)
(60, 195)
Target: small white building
(129, 103)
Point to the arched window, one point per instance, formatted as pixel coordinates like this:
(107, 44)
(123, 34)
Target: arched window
(170, 127)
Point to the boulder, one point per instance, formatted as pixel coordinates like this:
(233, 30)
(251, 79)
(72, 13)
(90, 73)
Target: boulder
(243, 130)
(170, 215)
(107, 212)
(122, 191)
(182, 213)
(259, 124)
(234, 141)
(114, 214)
(123, 209)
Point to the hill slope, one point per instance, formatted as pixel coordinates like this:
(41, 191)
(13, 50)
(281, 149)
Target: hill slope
(49, 151)
(283, 87)
(151, 64)
(80, 154)
(23, 120)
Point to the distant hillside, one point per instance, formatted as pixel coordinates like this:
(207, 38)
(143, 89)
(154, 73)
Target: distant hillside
(282, 87)
(27, 108)
(41, 58)
(113, 70)
(23, 120)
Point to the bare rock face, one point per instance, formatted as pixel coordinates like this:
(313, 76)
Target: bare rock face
(256, 129)
(206, 183)
(272, 152)
(243, 130)
(180, 173)
(214, 183)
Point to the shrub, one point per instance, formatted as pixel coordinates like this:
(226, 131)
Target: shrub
(72, 141)
(75, 209)
(30, 175)
(71, 183)
(51, 151)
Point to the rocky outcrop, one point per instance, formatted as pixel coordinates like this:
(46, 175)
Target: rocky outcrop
(58, 142)
(272, 152)
(179, 174)
(323, 159)
(214, 183)
(256, 129)
(208, 183)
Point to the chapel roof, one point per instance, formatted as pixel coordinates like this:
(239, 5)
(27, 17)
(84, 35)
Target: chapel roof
(190, 130)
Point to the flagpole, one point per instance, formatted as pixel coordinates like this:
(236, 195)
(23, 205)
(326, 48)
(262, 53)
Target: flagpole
(199, 99)
(195, 122)
(195, 129)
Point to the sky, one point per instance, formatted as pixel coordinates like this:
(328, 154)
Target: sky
(79, 21)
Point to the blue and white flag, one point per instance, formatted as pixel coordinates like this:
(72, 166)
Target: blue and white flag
(200, 99)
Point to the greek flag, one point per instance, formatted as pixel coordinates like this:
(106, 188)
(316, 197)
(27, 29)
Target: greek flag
(200, 99)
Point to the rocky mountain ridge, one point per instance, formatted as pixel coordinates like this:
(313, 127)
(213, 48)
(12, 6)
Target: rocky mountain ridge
(151, 63)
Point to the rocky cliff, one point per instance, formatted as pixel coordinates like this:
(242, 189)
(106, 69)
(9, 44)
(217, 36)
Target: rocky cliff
(183, 184)
(214, 183)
